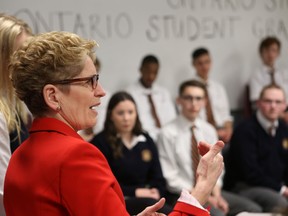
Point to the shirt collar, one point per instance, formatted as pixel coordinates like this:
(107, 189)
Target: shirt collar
(53, 124)
(205, 82)
(135, 141)
(147, 91)
(268, 69)
(186, 123)
(265, 123)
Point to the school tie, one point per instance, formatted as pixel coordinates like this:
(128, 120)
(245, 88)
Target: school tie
(272, 77)
(209, 112)
(153, 111)
(194, 154)
(272, 130)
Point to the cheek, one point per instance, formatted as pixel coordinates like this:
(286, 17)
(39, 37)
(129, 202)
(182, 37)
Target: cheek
(133, 118)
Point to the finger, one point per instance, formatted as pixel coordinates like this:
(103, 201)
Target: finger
(203, 148)
(155, 207)
(215, 149)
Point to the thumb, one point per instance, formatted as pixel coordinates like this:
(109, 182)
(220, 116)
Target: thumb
(155, 207)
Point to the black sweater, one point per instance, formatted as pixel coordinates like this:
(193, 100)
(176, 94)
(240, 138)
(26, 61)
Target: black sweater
(139, 167)
(256, 158)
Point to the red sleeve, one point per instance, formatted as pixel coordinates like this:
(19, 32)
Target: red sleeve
(183, 209)
(87, 185)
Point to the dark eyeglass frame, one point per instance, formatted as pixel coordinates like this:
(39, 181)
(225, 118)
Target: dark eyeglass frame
(92, 79)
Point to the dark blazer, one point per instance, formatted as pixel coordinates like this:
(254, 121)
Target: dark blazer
(138, 167)
(55, 172)
(257, 159)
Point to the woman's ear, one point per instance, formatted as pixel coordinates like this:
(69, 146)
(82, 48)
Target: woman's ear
(51, 95)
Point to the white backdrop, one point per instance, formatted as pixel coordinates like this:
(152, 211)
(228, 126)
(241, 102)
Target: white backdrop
(129, 29)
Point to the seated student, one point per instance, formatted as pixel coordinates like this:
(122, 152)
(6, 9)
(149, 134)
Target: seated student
(217, 109)
(131, 154)
(268, 72)
(154, 102)
(179, 158)
(257, 163)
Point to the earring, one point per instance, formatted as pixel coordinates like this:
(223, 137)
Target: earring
(58, 108)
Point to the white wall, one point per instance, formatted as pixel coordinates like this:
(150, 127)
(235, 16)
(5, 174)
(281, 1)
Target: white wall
(129, 29)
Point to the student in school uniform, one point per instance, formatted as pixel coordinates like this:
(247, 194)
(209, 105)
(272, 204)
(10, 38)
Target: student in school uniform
(217, 109)
(131, 154)
(155, 106)
(257, 162)
(177, 145)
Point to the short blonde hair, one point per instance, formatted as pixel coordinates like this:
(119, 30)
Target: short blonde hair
(10, 106)
(44, 59)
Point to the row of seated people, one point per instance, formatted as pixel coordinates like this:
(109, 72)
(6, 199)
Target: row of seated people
(255, 176)
(156, 107)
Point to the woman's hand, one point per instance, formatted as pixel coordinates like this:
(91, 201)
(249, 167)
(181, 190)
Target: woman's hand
(147, 193)
(209, 169)
(151, 210)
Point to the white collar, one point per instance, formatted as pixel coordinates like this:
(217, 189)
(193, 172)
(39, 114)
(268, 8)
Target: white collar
(265, 123)
(268, 69)
(148, 91)
(135, 141)
(186, 123)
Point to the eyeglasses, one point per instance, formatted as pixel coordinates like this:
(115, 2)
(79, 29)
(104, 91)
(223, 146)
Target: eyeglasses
(192, 98)
(92, 80)
(270, 102)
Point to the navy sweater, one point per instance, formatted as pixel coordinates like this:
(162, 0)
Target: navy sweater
(256, 158)
(135, 169)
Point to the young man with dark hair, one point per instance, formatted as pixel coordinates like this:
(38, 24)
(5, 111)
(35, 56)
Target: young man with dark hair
(268, 72)
(257, 163)
(217, 109)
(177, 145)
(154, 103)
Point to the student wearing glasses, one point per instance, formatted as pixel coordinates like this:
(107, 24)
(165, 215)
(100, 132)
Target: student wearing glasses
(177, 156)
(257, 163)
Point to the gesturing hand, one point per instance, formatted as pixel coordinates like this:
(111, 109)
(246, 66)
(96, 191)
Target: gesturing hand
(209, 169)
(151, 210)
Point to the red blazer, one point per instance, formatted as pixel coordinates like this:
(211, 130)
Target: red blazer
(55, 172)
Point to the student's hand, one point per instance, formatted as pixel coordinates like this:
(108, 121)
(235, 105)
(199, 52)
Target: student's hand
(209, 169)
(212, 201)
(151, 210)
(219, 202)
(148, 193)
(222, 204)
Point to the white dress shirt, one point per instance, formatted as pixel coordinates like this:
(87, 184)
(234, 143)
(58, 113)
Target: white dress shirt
(219, 103)
(5, 154)
(266, 124)
(174, 146)
(261, 77)
(165, 108)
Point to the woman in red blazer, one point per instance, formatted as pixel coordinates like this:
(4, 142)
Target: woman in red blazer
(55, 172)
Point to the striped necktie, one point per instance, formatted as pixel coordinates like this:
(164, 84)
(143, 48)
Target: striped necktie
(194, 154)
(153, 111)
